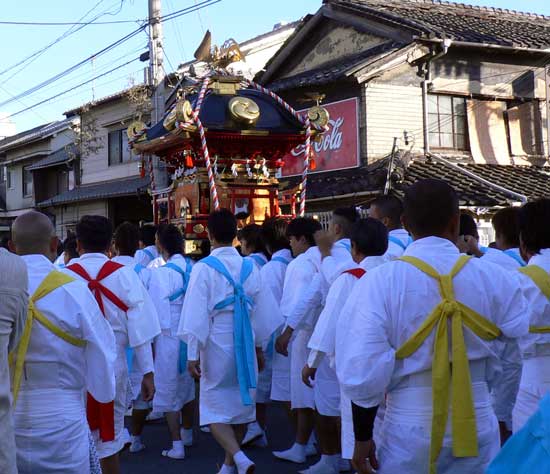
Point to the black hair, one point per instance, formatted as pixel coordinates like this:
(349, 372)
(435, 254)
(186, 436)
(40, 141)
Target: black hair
(222, 226)
(4, 243)
(147, 234)
(345, 216)
(506, 224)
(252, 233)
(126, 239)
(171, 239)
(59, 247)
(69, 246)
(390, 207)
(274, 234)
(468, 225)
(303, 227)
(429, 206)
(370, 237)
(94, 233)
(534, 225)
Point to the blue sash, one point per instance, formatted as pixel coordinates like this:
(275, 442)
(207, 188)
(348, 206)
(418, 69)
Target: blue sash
(398, 242)
(129, 351)
(345, 245)
(271, 345)
(185, 275)
(149, 254)
(516, 256)
(282, 260)
(259, 260)
(243, 336)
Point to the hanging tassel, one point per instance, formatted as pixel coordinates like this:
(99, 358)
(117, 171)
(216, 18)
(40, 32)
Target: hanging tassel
(142, 169)
(312, 164)
(189, 161)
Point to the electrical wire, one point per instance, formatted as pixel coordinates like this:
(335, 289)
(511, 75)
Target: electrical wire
(71, 89)
(49, 81)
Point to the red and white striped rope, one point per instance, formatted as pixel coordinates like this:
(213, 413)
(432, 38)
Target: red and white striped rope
(305, 168)
(152, 173)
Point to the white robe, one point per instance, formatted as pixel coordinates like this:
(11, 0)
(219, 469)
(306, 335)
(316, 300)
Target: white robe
(534, 348)
(173, 389)
(135, 328)
(210, 331)
(338, 261)
(323, 348)
(135, 375)
(389, 304)
(51, 431)
(13, 313)
(506, 387)
(273, 276)
(301, 305)
(143, 258)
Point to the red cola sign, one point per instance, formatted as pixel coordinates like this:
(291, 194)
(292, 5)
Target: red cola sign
(338, 148)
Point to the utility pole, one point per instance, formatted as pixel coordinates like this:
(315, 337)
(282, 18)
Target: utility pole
(156, 78)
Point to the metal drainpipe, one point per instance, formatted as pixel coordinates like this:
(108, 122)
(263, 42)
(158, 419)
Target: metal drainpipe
(446, 43)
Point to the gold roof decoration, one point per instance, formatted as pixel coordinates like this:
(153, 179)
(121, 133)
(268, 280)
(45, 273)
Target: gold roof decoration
(218, 57)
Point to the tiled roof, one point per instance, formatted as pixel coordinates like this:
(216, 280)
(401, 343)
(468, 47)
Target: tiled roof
(101, 101)
(461, 22)
(91, 192)
(36, 133)
(63, 155)
(333, 70)
(531, 181)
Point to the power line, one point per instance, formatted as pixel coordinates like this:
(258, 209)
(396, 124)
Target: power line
(71, 89)
(167, 17)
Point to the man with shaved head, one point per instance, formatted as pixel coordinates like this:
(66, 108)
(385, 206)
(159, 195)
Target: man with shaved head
(67, 347)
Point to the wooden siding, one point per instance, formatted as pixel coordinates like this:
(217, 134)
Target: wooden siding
(390, 111)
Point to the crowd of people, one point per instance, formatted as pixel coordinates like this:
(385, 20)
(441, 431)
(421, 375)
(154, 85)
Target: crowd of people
(395, 342)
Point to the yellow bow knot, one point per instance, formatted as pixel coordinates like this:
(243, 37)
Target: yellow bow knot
(456, 388)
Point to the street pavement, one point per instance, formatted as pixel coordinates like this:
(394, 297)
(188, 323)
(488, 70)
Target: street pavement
(205, 456)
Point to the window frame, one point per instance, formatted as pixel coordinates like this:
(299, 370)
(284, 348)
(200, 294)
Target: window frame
(25, 183)
(124, 154)
(437, 130)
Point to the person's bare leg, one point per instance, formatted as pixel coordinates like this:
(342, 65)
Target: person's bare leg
(305, 423)
(227, 439)
(188, 415)
(328, 434)
(261, 415)
(138, 421)
(173, 420)
(110, 464)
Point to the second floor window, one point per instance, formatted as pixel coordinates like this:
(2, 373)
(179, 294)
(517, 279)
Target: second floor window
(118, 147)
(27, 182)
(447, 122)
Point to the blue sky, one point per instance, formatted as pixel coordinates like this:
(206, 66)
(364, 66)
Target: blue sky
(240, 19)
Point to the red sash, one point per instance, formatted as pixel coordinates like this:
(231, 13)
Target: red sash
(356, 272)
(101, 416)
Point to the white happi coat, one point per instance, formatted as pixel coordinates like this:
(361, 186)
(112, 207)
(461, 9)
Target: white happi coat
(135, 328)
(174, 388)
(142, 255)
(135, 372)
(13, 313)
(273, 276)
(338, 261)
(301, 305)
(390, 303)
(210, 331)
(395, 250)
(263, 390)
(505, 388)
(323, 349)
(51, 431)
(534, 348)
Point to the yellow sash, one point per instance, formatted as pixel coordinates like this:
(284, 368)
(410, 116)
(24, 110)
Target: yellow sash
(542, 280)
(53, 281)
(458, 388)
